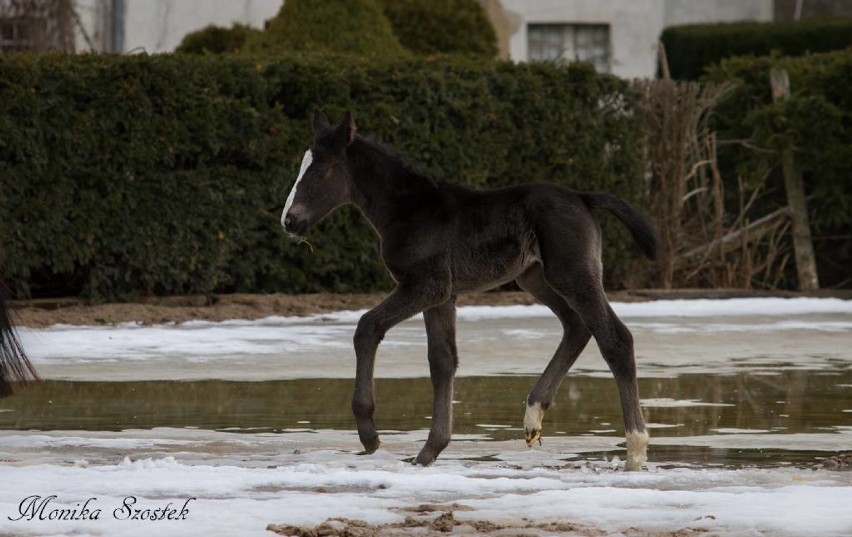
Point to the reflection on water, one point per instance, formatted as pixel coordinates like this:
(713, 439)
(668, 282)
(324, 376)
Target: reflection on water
(686, 406)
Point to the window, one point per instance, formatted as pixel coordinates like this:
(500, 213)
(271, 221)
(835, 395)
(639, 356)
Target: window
(570, 42)
(19, 33)
(36, 25)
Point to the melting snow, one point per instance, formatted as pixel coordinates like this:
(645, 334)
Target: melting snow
(242, 482)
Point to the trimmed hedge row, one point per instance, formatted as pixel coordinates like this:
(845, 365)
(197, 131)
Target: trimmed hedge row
(693, 48)
(816, 122)
(126, 175)
(216, 40)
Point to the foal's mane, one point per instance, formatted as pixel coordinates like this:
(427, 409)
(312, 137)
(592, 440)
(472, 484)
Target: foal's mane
(389, 154)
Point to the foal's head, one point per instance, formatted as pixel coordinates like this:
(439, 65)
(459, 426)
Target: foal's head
(323, 183)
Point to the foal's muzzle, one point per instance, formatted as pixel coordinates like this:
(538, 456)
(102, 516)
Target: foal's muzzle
(294, 225)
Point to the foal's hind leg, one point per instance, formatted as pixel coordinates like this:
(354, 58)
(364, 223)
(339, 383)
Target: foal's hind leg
(574, 271)
(574, 339)
(584, 292)
(616, 344)
(443, 361)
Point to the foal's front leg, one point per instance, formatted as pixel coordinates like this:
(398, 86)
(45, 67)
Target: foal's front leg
(443, 361)
(401, 304)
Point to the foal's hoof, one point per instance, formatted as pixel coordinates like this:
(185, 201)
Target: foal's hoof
(532, 423)
(370, 446)
(420, 460)
(531, 436)
(637, 450)
(425, 458)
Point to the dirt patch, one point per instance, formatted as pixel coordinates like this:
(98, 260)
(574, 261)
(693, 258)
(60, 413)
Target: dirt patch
(432, 507)
(447, 524)
(842, 461)
(424, 522)
(41, 313)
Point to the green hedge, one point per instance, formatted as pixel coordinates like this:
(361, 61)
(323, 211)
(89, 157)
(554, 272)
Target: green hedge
(216, 40)
(816, 121)
(442, 26)
(357, 27)
(126, 175)
(434, 27)
(692, 48)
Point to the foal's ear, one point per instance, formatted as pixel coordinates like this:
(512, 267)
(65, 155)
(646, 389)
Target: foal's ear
(321, 123)
(346, 130)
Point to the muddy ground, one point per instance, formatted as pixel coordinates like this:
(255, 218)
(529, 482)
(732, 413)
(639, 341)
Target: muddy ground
(445, 524)
(41, 313)
(438, 520)
(179, 309)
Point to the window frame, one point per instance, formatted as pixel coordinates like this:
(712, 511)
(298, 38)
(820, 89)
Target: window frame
(540, 44)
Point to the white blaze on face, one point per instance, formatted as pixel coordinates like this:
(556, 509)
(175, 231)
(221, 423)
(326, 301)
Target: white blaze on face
(306, 163)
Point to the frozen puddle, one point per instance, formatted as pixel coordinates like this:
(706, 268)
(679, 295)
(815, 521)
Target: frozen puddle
(747, 402)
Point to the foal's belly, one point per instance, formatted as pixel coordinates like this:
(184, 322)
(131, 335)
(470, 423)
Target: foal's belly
(491, 264)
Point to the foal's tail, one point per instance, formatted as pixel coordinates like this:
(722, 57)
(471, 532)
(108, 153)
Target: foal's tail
(14, 364)
(636, 222)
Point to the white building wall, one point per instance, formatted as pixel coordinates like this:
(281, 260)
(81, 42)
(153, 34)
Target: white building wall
(93, 33)
(635, 25)
(160, 25)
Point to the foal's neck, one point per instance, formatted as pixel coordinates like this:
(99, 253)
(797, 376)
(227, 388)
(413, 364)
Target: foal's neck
(382, 184)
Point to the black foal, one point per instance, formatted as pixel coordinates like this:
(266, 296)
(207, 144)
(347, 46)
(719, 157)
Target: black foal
(439, 240)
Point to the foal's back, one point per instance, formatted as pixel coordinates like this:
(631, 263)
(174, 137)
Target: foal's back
(492, 235)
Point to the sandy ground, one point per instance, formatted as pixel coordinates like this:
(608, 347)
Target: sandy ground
(41, 313)
(437, 519)
(178, 309)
